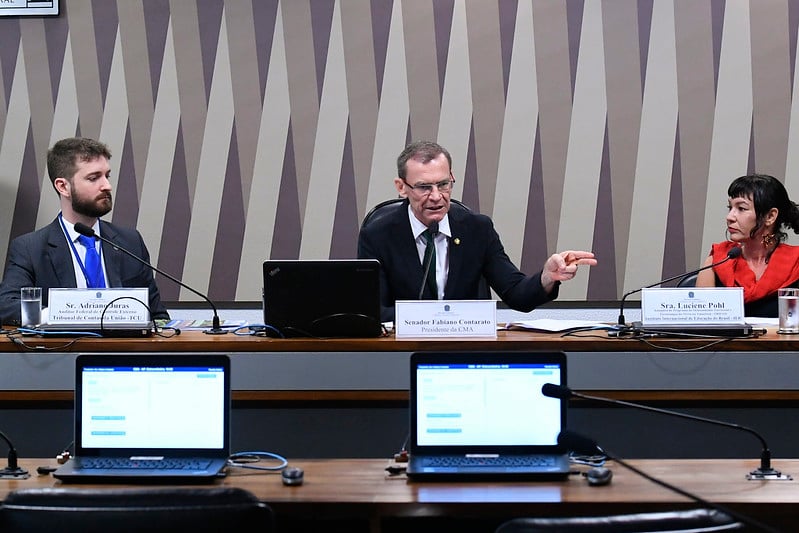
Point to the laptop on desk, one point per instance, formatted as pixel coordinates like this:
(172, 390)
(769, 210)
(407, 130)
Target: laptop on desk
(482, 415)
(150, 418)
(694, 330)
(322, 298)
(115, 329)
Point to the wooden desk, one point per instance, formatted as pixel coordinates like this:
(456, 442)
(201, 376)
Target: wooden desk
(359, 490)
(369, 370)
(196, 341)
(352, 394)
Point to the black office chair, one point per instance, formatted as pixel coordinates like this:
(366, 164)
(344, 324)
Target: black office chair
(693, 521)
(688, 281)
(153, 510)
(389, 207)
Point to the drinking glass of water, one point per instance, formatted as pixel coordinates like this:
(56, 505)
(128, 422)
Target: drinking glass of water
(30, 299)
(788, 301)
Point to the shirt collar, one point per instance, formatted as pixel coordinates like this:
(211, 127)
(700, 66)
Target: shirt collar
(418, 228)
(73, 235)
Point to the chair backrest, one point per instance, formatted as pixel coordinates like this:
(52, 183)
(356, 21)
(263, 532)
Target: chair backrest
(693, 521)
(688, 281)
(389, 207)
(154, 510)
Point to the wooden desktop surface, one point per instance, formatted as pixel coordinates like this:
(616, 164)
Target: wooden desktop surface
(360, 488)
(197, 341)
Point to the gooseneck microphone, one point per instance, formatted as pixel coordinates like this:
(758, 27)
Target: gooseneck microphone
(13, 469)
(216, 328)
(732, 254)
(433, 230)
(574, 442)
(763, 472)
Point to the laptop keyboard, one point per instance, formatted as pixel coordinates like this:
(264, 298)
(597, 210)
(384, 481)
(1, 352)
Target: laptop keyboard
(458, 461)
(134, 464)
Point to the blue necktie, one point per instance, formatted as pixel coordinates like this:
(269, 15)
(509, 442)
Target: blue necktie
(94, 270)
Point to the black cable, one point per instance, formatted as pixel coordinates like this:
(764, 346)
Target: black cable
(258, 330)
(717, 506)
(160, 332)
(108, 305)
(644, 339)
(61, 347)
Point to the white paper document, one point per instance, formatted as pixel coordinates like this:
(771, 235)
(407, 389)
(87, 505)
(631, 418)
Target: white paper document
(552, 325)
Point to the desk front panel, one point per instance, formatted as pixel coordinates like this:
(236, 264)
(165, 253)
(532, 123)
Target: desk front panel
(377, 369)
(351, 394)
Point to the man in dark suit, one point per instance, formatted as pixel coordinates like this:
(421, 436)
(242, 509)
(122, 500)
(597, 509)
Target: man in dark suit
(53, 257)
(466, 246)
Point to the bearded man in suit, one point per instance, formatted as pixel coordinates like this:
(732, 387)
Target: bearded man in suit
(55, 257)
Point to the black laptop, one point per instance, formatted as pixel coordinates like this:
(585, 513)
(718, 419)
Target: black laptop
(482, 415)
(150, 418)
(322, 298)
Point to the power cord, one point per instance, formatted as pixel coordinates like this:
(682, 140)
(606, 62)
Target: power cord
(588, 460)
(249, 460)
(61, 458)
(18, 340)
(257, 330)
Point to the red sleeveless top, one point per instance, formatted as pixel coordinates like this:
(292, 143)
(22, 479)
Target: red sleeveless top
(782, 270)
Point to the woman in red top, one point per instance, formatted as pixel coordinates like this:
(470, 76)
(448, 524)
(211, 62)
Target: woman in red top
(758, 211)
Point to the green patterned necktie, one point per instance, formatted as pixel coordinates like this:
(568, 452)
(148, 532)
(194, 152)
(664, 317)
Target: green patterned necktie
(430, 258)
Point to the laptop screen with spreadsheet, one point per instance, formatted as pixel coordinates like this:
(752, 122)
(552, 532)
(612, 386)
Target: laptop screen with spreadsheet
(176, 405)
(485, 403)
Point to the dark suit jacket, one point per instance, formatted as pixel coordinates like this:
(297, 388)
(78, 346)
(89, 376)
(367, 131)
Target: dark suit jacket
(475, 252)
(43, 259)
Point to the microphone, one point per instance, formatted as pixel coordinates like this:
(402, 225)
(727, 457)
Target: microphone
(216, 329)
(574, 442)
(13, 469)
(732, 254)
(433, 229)
(764, 472)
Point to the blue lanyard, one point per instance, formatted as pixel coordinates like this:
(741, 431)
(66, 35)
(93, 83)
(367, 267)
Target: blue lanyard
(75, 250)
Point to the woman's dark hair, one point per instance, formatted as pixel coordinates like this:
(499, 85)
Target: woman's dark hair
(767, 192)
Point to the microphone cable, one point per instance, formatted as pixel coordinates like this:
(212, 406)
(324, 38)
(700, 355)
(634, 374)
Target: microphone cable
(108, 305)
(579, 443)
(622, 326)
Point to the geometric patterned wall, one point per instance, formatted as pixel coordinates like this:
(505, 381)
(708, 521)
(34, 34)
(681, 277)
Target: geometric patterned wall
(248, 129)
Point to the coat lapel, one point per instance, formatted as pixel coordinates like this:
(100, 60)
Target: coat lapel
(59, 254)
(111, 256)
(455, 252)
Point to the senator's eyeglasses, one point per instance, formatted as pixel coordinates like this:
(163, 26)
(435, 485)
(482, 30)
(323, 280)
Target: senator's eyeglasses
(423, 189)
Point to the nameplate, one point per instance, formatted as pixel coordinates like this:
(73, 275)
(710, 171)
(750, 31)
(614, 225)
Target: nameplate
(692, 305)
(79, 306)
(445, 318)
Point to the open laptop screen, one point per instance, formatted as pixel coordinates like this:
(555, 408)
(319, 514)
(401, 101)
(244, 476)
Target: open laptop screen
(166, 404)
(486, 402)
